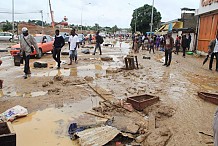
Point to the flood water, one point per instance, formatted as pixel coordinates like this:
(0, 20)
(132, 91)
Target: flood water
(49, 127)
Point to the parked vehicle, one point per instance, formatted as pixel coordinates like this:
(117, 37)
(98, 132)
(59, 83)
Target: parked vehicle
(45, 44)
(81, 38)
(103, 35)
(65, 36)
(6, 36)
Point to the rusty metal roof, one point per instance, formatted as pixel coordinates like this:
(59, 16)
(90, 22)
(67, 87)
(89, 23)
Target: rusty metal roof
(97, 136)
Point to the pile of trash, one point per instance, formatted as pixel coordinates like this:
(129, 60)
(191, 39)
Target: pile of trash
(118, 123)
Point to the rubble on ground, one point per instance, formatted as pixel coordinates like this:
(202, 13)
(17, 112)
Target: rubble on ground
(106, 58)
(113, 70)
(89, 79)
(58, 78)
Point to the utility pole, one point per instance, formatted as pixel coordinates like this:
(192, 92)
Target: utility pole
(135, 19)
(82, 20)
(13, 20)
(41, 11)
(82, 16)
(152, 17)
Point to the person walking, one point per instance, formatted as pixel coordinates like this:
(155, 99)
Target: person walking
(184, 44)
(168, 49)
(73, 45)
(157, 42)
(99, 41)
(189, 39)
(213, 50)
(27, 42)
(162, 42)
(59, 42)
(152, 44)
(90, 39)
(178, 44)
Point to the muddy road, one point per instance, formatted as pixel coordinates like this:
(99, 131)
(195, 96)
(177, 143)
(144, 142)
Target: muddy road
(53, 104)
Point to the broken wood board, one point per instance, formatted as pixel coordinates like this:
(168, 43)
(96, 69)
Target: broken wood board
(97, 136)
(105, 95)
(98, 115)
(151, 122)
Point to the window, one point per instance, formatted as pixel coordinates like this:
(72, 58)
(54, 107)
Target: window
(8, 34)
(49, 39)
(1, 34)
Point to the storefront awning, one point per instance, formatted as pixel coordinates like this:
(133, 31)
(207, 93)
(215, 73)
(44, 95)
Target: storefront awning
(174, 25)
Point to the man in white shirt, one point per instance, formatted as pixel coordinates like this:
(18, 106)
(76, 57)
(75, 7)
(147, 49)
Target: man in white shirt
(73, 44)
(213, 50)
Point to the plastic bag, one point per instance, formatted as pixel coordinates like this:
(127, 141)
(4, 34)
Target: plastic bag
(13, 113)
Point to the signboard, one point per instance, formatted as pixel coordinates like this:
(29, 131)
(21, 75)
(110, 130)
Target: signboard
(205, 3)
(207, 6)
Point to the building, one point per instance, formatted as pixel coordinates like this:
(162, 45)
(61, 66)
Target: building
(185, 25)
(208, 24)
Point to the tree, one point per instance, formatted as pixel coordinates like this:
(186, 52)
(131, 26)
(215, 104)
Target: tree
(7, 26)
(142, 15)
(115, 29)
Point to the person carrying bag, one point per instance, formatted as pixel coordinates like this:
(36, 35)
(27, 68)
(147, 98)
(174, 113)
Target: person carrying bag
(26, 44)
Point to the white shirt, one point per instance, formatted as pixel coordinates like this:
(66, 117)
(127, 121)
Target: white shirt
(216, 47)
(168, 41)
(73, 40)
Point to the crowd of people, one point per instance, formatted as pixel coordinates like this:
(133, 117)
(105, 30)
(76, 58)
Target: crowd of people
(145, 42)
(167, 44)
(157, 42)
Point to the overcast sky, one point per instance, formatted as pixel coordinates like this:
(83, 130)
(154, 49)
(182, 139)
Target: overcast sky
(103, 12)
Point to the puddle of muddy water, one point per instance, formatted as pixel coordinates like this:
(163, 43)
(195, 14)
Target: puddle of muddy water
(80, 71)
(49, 127)
(24, 95)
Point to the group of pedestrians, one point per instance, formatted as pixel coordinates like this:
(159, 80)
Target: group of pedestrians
(184, 42)
(165, 43)
(27, 41)
(146, 42)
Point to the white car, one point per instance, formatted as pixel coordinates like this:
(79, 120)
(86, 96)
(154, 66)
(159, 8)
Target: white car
(6, 36)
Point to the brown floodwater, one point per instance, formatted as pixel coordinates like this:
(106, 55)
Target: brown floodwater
(49, 127)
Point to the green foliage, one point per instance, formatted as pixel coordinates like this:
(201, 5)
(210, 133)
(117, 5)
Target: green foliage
(7, 26)
(114, 28)
(142, 15)
(38, 22)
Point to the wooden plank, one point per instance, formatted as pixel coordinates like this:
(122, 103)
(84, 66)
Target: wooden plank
(105, 95)
(151, 121)
(97, 115)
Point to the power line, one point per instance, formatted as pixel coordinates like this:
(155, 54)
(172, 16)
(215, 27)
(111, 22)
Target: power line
(6, 12)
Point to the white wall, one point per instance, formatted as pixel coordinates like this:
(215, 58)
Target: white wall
(174, 35)
(208, 8)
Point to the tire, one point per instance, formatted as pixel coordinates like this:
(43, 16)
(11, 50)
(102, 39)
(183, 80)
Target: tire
(10, 40)
(40, 54)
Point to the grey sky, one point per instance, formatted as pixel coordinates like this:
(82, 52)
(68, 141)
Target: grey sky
(103, 12)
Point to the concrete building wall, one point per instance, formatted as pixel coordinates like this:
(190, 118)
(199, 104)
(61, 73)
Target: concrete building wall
(189, 20)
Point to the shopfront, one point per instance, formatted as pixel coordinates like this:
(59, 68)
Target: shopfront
(208, 23)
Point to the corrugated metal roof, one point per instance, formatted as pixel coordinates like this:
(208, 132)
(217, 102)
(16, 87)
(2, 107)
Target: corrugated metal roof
(97, 136)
